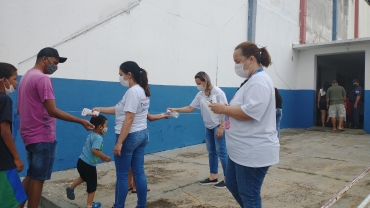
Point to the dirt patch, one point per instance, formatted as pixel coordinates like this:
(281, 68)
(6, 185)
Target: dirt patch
(157, 175)
(286, 133)
(161, 203)
(204, 206)
(191, 154)
(158, 162)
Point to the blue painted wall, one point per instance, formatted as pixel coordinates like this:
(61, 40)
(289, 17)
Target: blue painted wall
(367, 112)
(73, 95)
(298, 108)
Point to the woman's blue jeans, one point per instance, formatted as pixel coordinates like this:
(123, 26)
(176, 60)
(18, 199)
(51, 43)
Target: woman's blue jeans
(245, 184)
(132, 153)
(279, 115)
(216, 148)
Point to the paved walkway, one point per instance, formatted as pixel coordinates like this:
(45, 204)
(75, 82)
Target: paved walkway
(313, 166)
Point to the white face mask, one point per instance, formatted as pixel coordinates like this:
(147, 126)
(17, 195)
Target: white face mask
(240, 71)
(10, 89)
(200, 87)
(104, 131)
(123, 82)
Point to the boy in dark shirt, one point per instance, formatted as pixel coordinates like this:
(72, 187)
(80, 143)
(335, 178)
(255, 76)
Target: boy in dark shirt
(11, 190)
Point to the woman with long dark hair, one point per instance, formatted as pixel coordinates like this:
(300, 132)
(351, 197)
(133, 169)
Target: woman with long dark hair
(321, 102)
(131, 132)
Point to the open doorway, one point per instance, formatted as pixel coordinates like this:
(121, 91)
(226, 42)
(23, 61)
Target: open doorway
(343, 67)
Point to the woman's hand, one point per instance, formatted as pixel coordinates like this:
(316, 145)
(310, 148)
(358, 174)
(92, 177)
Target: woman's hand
(171, 109)
(166, 116)
(218, 108)
(117, 149)
(220, 132)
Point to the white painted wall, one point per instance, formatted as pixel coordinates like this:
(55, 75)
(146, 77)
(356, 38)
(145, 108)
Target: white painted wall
(278, 28)
(173, 40)
(364, 19)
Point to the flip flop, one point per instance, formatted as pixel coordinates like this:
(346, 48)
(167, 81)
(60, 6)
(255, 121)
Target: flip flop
(70, 193)
(96, 205)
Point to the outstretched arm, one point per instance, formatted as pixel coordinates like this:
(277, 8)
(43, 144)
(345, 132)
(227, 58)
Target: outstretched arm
(186, 109)
(156, 117)
(106, 110)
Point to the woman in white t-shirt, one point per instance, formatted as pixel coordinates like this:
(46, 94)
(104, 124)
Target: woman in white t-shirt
(251, 137)
(131, 132)
(215, 137)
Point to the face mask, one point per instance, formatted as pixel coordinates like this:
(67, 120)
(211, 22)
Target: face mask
(240, 71)
(355, 85)
(51, 67)
(200, 87)
(104, 131)
(123, 82)
(10, 90)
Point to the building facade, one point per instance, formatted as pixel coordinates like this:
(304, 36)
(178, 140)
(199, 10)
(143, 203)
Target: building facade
(173, 40)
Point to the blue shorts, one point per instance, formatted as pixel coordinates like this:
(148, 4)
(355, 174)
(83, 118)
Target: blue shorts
(11, 190)
(41, 158)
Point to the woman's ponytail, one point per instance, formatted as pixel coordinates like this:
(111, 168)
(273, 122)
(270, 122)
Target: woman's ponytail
(265, 57)
(143, 82)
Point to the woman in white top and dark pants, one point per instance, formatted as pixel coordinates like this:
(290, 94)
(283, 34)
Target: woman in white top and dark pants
(251, 137)
(131, 132)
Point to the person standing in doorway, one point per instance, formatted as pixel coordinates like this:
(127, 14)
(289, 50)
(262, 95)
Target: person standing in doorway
(356, 99)
(321, 102)
(38, 114)
(279, 110)
(251, 137)
(336, 99)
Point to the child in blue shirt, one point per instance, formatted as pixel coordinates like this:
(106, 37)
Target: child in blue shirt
(86, 164)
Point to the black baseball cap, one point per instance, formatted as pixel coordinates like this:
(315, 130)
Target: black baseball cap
(51, 52)
(356, 80)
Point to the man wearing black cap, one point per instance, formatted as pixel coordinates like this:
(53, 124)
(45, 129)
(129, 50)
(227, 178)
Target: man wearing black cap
(356, 99)
(38, 114)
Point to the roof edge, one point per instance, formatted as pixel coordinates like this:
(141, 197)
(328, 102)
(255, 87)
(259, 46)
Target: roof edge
(303, 47)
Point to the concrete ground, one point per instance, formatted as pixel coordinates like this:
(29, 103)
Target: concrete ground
(314, 164)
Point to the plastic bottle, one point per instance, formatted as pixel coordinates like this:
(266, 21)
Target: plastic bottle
(88, 112)
(173, 113)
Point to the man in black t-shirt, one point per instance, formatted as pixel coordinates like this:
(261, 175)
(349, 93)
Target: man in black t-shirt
(11, 190)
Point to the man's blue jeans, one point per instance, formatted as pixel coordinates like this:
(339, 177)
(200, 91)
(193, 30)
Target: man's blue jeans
(216, 148)
(132, 153)
(279, 115)
(245, 184)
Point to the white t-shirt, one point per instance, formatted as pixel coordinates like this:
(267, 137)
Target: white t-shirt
(209, 121)
(254, 143)
(134, 101)
(322, 92)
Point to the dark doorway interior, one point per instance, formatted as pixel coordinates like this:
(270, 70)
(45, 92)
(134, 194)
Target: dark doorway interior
(343, 67)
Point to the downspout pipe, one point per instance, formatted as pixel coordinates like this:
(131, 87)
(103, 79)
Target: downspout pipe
(356, 17)
(335, 18)
(252, 14)
(302, 21)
